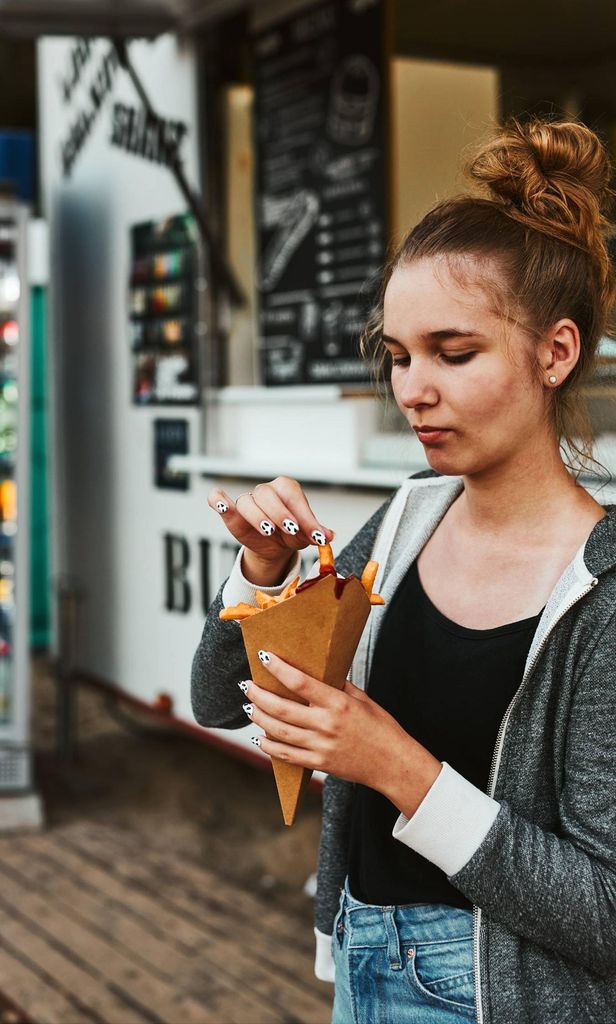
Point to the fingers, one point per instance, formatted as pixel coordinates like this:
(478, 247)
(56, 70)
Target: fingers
(258, 518)
(286, 752)
(276, 729)
(274, 511)
(313, 691)
(292, 496)
(354, 691)
(240, 525)
(292, 712)
(288, 724)
(278, 511)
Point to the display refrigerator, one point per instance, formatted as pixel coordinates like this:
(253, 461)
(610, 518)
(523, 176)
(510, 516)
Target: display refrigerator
(18, 804)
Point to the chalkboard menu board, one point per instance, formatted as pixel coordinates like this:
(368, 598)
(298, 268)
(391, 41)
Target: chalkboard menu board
(321, 188)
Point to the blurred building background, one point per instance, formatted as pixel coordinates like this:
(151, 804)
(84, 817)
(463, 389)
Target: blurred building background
(197, 202)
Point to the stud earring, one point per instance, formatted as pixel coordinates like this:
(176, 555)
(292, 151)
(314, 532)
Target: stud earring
(553, 379)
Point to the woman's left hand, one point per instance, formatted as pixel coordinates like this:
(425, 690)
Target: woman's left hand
(342, 733)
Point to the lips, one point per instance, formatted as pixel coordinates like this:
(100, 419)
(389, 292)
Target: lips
(431, 435)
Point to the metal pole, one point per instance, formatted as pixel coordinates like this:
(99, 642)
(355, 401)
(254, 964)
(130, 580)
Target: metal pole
(66, 690)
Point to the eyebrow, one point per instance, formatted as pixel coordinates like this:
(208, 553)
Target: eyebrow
(433, 337)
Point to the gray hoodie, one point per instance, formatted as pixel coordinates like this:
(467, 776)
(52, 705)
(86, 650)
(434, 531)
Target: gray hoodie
(536, 854)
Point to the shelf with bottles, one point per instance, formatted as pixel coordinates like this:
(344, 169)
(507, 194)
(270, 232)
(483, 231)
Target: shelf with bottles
(9, 349)
(162, 267)
(8, 420)
(9, 332)
(163, 312)
(164, 379)
(10, 289)
(7, 544)
(9, 365)
(155, 300)
(8, 506)
(162, 335)
(6, 681)
(7, 616)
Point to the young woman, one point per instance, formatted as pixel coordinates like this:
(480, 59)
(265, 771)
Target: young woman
(467, 865)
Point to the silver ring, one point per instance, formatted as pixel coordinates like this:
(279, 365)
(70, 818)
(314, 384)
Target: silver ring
(242, 495)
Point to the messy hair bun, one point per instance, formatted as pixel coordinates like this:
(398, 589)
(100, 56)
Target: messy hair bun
(554, 176)
(541, 220)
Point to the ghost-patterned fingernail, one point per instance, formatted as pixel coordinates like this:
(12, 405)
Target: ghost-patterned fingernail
(318, 537)
(256, 740)
(267, 528)
(290, 526)
(243, 687)
(222, 507)
(248, 708)
(264, 657)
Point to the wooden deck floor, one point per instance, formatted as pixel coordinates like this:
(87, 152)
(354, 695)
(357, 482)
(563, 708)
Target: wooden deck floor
(95, 928)
(97, 925)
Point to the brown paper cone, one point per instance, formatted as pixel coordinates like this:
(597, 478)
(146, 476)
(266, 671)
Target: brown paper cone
(318, 633)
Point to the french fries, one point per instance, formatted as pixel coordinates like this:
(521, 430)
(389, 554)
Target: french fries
(368, 576)
(326, 558)
(326, 567)
(238, 611)
(289, 590)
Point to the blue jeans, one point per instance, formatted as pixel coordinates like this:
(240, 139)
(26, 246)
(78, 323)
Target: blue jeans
(408, 964)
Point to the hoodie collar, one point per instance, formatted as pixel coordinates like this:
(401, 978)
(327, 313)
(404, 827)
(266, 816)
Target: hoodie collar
(598, 553)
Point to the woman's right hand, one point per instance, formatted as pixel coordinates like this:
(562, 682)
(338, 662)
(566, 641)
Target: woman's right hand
(272, 522)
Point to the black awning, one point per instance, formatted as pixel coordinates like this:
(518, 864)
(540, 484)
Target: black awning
(119, 18)
(540, 33)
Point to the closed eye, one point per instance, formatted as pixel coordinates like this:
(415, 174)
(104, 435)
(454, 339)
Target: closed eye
(404, 360)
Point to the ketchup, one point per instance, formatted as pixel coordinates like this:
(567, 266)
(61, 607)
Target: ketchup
(338, 588)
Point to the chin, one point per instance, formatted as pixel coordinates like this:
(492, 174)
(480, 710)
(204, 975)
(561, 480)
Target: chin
(443, 461)
(448, 465)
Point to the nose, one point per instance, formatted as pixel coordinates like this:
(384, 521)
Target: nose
(414, 387)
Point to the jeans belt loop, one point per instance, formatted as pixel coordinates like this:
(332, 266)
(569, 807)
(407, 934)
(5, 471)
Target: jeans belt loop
(393, 939)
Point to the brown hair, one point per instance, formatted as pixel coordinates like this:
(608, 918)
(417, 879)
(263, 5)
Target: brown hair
(542, 222)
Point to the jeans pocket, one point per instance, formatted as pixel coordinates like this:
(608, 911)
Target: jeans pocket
(337, 925)
(443, 971)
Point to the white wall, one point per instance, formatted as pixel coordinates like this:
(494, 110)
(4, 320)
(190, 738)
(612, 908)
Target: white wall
(438, 109)
(109, 519)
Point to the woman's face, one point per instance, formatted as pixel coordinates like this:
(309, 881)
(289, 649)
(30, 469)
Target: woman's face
(451, 369)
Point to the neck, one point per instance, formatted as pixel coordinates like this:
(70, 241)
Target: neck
(529, 495)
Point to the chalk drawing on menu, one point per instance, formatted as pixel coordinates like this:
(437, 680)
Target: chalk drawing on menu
(351, 164)
(309, 316)
(332, 318)
(353, 101)
(285, 359)
(293, 216)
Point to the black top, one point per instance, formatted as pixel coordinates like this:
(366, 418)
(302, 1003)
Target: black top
(449, 687)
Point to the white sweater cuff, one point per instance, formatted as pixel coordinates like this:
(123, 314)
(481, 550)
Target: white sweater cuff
(450, 823)
(324, 966)
(238, 589)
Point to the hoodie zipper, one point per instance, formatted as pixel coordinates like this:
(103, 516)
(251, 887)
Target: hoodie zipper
(492, 782)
